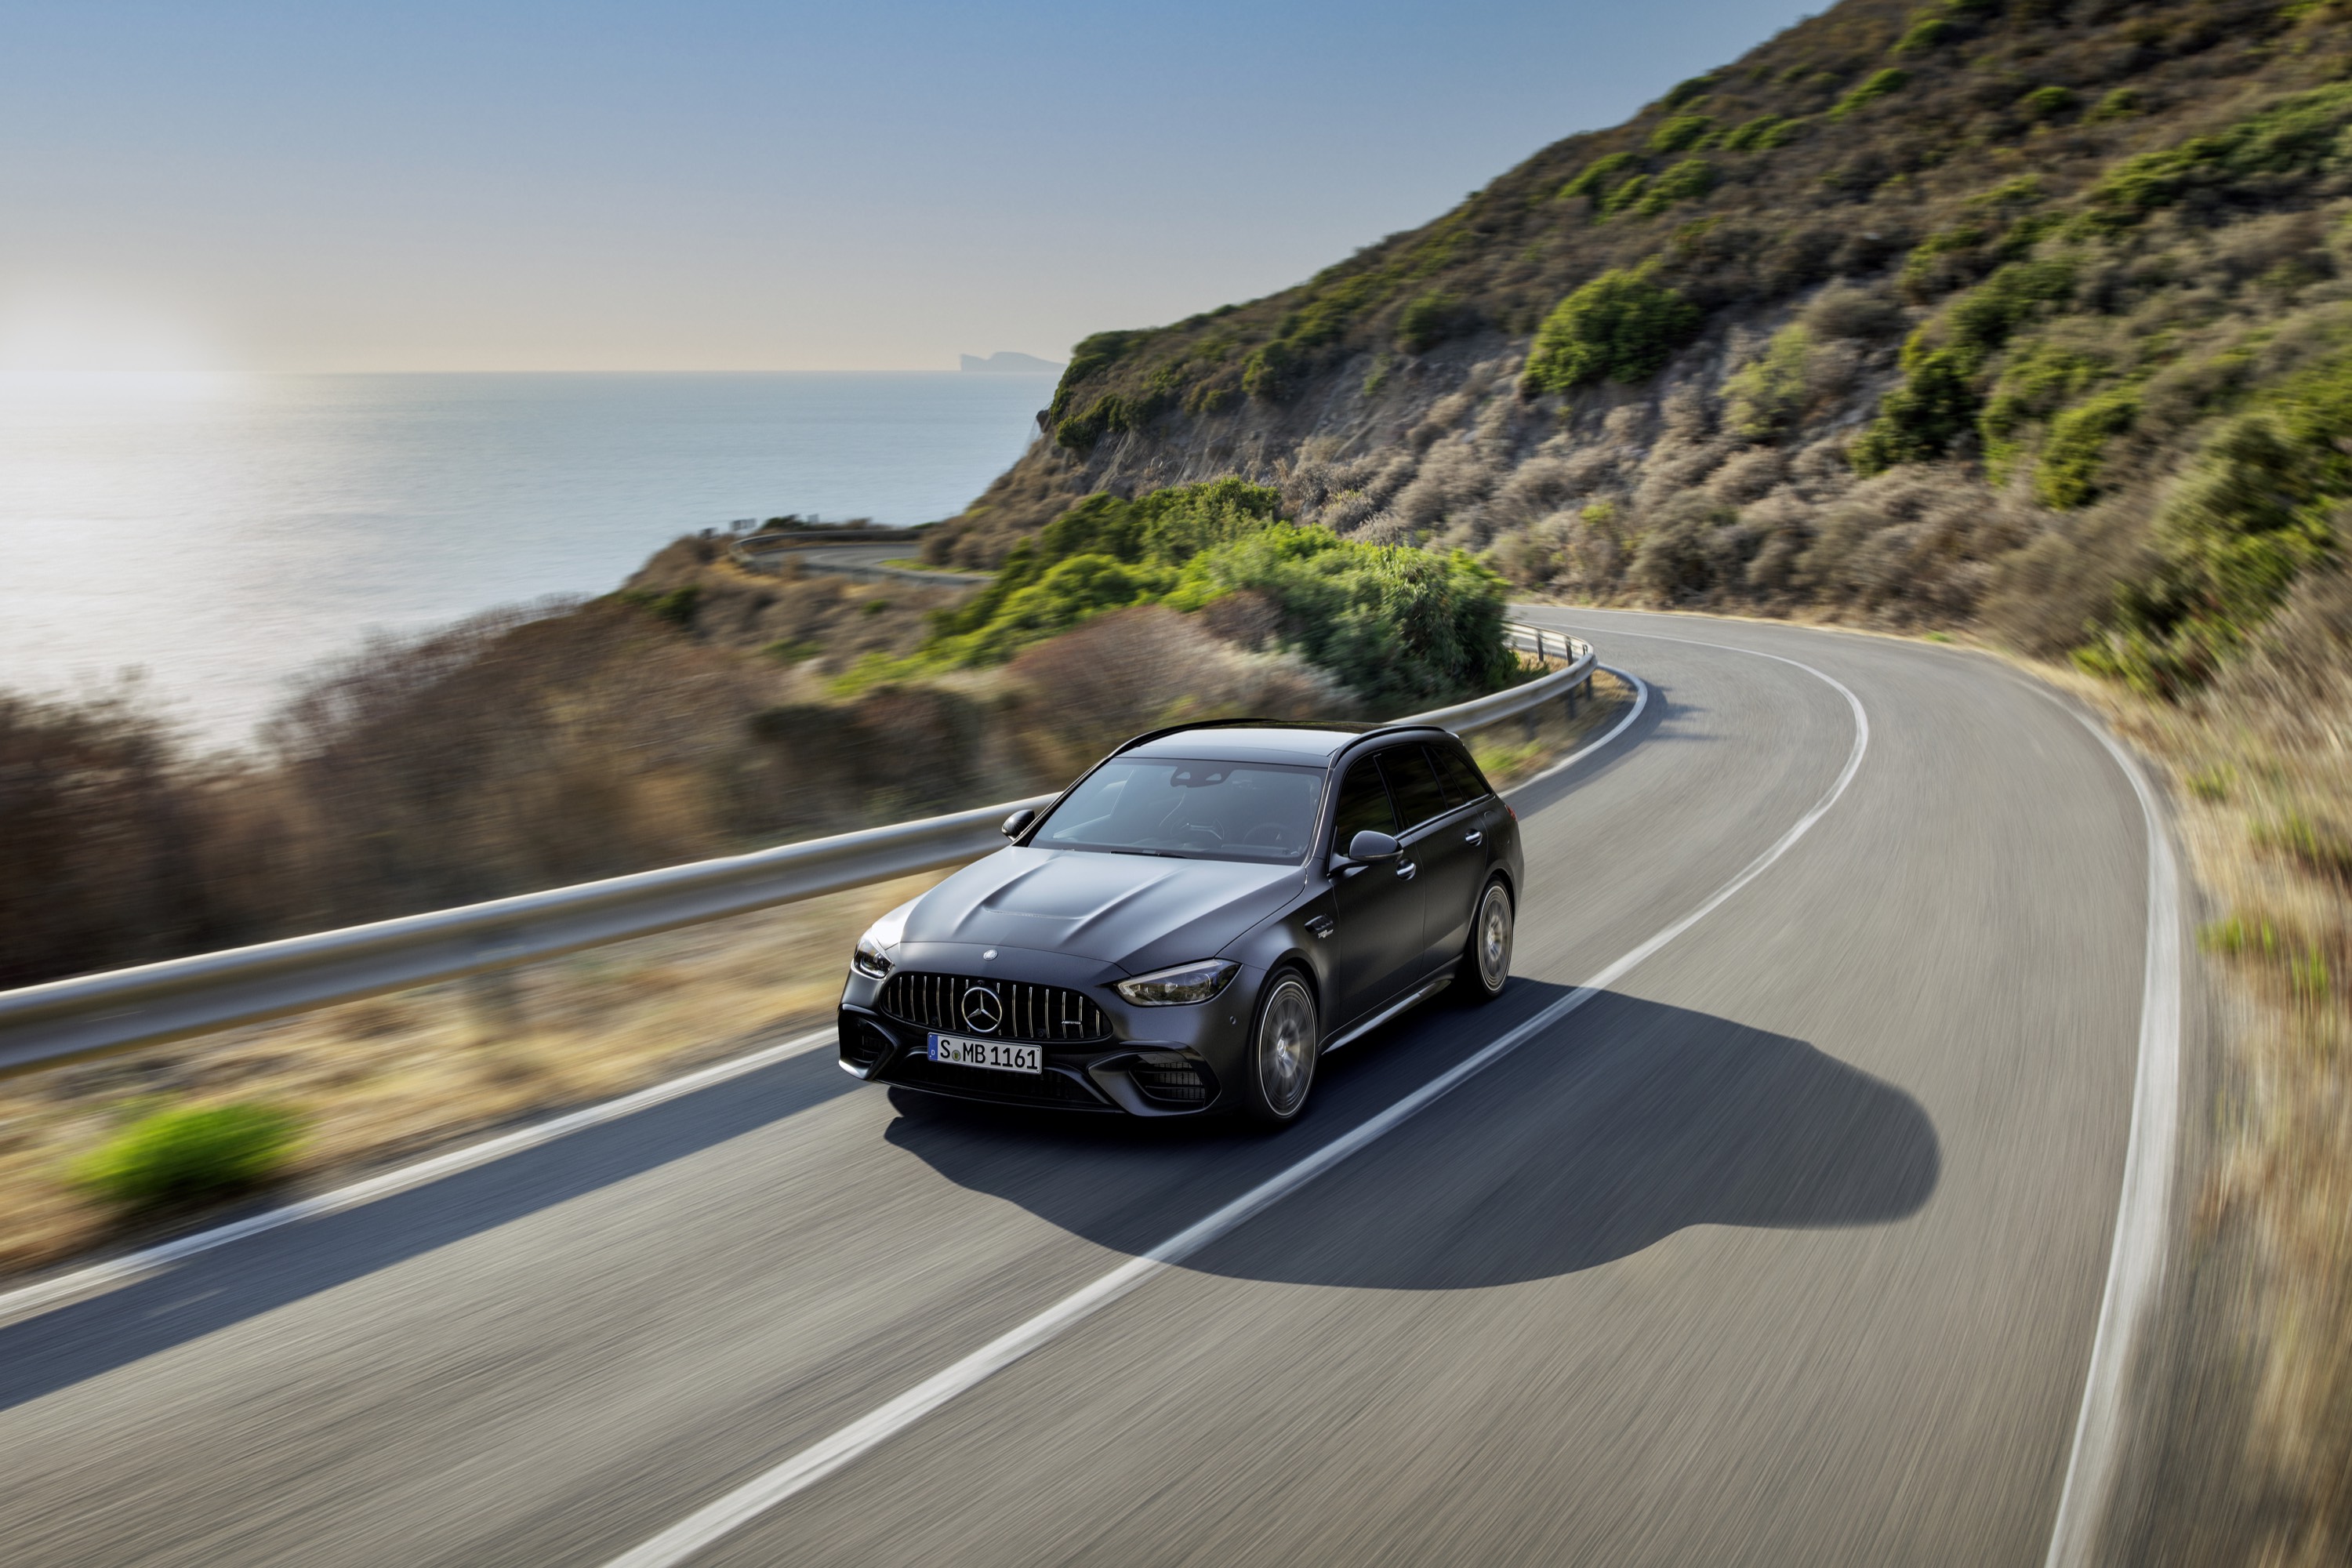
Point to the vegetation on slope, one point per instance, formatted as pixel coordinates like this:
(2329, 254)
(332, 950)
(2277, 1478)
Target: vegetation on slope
(1399, 627)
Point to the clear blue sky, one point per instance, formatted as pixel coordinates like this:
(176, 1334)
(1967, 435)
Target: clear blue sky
(706, 185)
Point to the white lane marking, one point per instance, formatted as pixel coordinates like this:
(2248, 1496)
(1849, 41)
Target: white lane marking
(2136, 1261)
(718, 1519)
(32, 1299)
(2136, 1265)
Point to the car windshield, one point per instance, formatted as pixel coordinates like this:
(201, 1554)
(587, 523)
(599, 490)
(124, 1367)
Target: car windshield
(1192, 807)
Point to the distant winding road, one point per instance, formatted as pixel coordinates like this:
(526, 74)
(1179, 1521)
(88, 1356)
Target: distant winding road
(1785, 1246)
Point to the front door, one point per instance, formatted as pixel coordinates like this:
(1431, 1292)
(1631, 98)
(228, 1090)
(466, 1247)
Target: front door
(1377, 939)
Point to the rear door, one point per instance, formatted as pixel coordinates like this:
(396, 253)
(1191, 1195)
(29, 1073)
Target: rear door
(1443, 838)
(1376, 940)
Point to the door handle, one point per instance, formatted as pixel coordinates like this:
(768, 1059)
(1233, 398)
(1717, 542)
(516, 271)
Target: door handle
(1405, 869)
(1473, 836)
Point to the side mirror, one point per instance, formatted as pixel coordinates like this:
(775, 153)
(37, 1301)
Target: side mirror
(1018, 822)
(1370, 845)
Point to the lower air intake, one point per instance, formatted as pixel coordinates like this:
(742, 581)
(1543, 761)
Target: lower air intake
(1166, 1079)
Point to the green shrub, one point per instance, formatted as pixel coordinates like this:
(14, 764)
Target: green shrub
(675, 606)
(1769, 395)
(1400, 627)
(2121, 103)
(1621, 326)
(2068, 474)
(2047, 102)
(1684, 181)
(178, 1156)
(1683, 91)
(1431, 319)
(1940, 397)
(2040, 378)
(1762, 133)
(1146, 538)
(793, 650)
(1625, 195)
(1683, 133)
(2231, 539)
(1877, 86)
(1926, 33)
(2296, 136)
(1601, 176)
(1395, 624)
(1272, 371)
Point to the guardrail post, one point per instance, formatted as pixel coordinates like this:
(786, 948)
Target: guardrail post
(495, 1002)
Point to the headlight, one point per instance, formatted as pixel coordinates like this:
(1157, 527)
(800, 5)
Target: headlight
(873, 955)
(1185, 983)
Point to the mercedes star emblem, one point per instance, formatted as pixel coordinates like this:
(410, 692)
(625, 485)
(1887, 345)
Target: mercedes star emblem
(983, 1009)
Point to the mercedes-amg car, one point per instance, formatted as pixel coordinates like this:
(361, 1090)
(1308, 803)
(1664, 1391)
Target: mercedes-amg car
(1191, 924)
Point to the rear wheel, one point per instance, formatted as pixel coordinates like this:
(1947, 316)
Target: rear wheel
(1486, 963)
(1283, 1046)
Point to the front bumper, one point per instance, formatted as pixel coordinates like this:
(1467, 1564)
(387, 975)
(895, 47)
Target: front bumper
(1158, 1062)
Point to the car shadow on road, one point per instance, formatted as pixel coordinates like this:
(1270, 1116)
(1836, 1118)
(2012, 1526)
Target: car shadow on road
(1623, 1125)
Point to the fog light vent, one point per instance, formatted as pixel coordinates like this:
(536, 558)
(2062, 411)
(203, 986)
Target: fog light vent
(865, 1045)
(1166, 1079)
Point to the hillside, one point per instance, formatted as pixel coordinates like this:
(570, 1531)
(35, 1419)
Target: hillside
(1907, 315)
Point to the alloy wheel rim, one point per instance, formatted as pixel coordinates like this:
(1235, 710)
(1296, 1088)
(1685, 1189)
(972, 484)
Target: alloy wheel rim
(1285, 1052)
(1495, 939)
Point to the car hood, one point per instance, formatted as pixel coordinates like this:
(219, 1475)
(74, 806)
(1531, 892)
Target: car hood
(1134, 911)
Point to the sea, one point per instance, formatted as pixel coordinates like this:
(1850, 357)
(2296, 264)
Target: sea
(209, 537)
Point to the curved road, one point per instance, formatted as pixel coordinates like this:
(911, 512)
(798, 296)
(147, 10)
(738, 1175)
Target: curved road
(1786, 1247)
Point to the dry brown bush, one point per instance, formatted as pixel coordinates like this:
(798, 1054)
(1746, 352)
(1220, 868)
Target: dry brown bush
(1140, 669)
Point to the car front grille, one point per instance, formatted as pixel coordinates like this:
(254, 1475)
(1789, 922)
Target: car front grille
(1044, 1014)
(1167, 1078)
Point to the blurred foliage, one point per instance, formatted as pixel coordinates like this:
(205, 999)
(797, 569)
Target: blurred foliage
(187, 1155)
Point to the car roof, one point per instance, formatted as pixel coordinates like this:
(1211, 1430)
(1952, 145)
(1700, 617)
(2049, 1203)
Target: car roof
(1260, 741)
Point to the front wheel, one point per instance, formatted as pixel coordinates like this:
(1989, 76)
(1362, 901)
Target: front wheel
(1283, 1046)
(1488, 964)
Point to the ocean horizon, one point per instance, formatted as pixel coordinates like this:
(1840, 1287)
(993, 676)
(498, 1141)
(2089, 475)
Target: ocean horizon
(221, 534)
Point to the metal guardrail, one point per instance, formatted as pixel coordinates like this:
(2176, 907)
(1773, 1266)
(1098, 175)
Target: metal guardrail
(89, 1014)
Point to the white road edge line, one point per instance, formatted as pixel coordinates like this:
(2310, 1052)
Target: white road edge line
(718, 1519)
(45, 1295)
(32, 1299)
(2136, 1264)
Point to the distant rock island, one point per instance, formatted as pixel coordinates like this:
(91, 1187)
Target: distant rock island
(1003, 363)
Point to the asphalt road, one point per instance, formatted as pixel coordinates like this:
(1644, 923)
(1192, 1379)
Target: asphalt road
(1786, 1249)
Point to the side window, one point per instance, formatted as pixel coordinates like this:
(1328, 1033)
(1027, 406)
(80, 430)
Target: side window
(1418, 795)
(1461, 780)
(1364, 805)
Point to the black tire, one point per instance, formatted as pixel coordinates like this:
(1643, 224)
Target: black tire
(1485, 966)
(1286, 1036)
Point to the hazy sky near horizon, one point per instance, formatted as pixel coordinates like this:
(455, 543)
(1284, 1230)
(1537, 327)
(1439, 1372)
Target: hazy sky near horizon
(709, 185)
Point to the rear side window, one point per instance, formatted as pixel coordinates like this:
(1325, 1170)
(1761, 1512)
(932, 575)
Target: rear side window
(1418, 795)
(1461, 781)
(1364, 805)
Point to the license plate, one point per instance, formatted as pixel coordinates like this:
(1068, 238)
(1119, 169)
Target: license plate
(1003, 1056)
